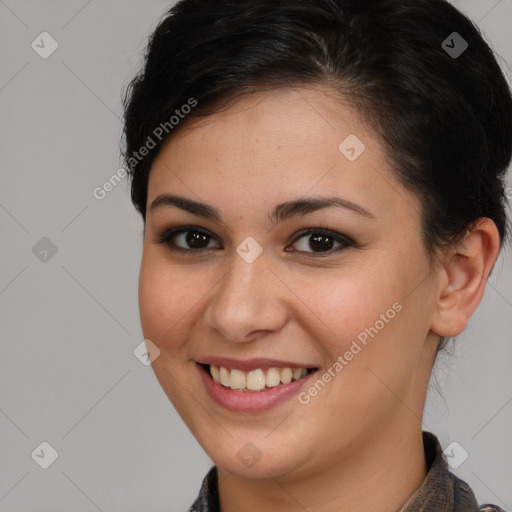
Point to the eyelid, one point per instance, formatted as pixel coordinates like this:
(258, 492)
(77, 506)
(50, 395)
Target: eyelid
(339, 237)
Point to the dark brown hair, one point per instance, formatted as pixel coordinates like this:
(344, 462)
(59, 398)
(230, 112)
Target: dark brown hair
(445, 119)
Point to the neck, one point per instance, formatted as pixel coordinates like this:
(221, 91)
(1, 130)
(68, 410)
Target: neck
(381, 475)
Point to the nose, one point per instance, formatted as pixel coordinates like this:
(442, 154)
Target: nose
(248, 300)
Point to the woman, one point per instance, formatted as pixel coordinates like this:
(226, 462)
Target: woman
(321, 183)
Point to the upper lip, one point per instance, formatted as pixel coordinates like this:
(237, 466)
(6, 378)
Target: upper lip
(251, 364)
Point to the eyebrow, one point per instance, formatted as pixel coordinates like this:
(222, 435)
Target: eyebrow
(281, 212)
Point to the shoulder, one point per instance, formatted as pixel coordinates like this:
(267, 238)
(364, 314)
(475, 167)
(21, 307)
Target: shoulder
(208, 498)
(449, 490)
(464, 498)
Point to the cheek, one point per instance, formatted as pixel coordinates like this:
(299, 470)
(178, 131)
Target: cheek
(167, 296)
(334, 305)
(366, 319)
(343, 303)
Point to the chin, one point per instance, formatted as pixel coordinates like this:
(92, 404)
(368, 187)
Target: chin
(249, 462)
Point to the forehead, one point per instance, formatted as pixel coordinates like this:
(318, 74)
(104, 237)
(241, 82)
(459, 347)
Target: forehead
(298, 117)
(276, 145)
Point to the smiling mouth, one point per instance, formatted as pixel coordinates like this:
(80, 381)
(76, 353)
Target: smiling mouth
(257, 380)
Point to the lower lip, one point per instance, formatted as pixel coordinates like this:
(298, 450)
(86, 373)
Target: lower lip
(251, 401)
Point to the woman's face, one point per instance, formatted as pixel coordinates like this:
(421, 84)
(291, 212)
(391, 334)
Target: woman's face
(353, 300)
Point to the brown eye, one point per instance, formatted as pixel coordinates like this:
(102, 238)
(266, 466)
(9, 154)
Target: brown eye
(192, 239)
(318, 241)
(186, 239)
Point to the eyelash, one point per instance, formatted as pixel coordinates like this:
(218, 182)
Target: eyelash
(166, 237)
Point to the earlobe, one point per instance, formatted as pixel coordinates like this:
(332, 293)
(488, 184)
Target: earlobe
(462, 280)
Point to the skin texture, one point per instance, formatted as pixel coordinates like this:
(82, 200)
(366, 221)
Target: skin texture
(357, 445)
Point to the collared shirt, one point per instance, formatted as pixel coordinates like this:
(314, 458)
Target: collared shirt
(440, 491)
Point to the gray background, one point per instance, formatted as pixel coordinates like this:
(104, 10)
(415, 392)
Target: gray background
(70, 324)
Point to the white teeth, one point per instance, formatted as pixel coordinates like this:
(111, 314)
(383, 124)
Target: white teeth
(255, 380)
(215, 373)
(237, 379)
(286, 375)
(224, 376)
(273, 377)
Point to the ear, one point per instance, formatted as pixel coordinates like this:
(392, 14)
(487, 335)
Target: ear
(462, 278)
